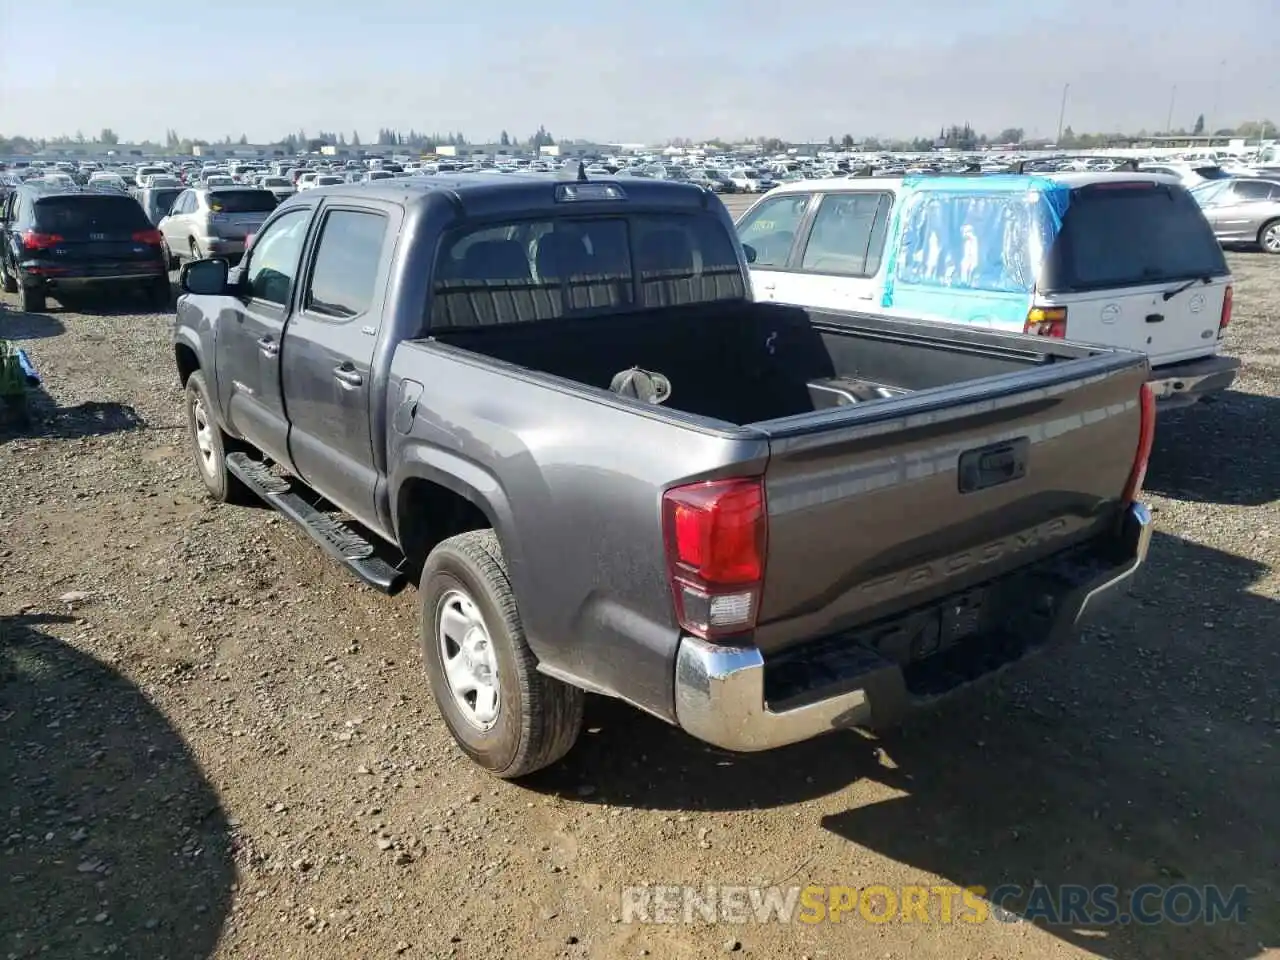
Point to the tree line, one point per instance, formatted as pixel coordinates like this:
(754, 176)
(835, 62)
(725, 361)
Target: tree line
(960, 137)
(296, 142)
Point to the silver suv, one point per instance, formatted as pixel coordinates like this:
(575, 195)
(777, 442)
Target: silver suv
(214, 221)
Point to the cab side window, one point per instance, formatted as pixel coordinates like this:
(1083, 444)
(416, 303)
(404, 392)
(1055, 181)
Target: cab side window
(273, 260)
(770, 229)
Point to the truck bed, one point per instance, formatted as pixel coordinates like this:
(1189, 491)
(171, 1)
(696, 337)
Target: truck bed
(866, 504)
(745, 363)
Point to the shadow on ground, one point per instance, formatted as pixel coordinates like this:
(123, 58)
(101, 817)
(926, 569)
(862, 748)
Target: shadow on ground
(16, 325)
(45, 419)
(110, 301)
(1142, 753)
(1220, 451)
(111, 839)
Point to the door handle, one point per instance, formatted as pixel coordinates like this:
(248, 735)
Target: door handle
(268, 347)
(347, 376)
(864, 296)
(768, 286)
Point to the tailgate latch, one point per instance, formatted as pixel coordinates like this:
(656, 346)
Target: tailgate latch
(993, 465)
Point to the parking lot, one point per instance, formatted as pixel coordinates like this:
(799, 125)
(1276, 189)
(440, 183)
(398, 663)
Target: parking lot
(225, 747)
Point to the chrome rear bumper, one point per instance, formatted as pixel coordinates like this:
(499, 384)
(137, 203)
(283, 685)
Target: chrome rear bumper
(720, 690)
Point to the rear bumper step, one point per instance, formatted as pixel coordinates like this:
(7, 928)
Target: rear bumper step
(336, 539)
(736, 699)
(1182, 384)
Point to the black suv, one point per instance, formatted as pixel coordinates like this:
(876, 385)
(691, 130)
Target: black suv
(58, 237)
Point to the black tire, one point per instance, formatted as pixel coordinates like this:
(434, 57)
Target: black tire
(170, 261)
(1269, 237)
(538, 718)
(160, 293)
(196, 252)
(33, 300)
(211, 465)
(9, 283)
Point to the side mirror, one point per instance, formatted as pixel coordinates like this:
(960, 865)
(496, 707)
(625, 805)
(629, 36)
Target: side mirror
(205, 277)
(750, 252)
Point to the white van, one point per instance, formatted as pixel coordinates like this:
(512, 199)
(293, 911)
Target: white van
(1121, 259)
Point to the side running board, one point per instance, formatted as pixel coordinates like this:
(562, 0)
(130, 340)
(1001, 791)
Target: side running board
(335, 537)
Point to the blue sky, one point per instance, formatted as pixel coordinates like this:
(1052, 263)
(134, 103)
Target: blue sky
(645, 70)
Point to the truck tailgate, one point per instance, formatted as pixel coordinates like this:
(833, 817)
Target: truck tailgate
(880, 507)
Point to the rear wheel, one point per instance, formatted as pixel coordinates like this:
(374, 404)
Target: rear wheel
(33, 299)
(1269, 237)
(503, 713)
(196, 252)
(9, 284)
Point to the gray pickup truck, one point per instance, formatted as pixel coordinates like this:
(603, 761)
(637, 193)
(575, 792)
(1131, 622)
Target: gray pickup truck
(554, 404)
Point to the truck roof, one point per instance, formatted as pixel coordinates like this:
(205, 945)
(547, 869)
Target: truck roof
(527, 192)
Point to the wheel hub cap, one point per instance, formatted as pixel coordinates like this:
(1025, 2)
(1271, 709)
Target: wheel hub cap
(204, 436)
(470, 666)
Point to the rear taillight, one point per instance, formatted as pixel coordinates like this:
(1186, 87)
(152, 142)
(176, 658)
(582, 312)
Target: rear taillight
(34, 240)
(1227, 299)
(1046, 322)
(1146, 437)
(716, 534)
(153, 237)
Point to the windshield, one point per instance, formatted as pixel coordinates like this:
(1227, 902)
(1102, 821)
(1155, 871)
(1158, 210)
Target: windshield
(242, 201)
(1212, 173)
(1128, 234)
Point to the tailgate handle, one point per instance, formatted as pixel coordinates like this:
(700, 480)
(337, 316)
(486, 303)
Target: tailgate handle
(1154, 317)
(991, 466)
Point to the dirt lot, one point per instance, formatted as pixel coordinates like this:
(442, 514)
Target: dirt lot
(214, 744)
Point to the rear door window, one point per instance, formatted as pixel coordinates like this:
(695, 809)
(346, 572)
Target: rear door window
(1246, 191)
(79, 215)
(1122, 234)
(242, 201)
(345, 275)
(848, 233)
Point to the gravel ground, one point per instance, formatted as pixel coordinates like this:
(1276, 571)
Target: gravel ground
(214, 744)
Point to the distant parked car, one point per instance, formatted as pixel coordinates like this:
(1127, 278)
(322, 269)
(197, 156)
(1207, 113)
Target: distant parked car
(1190, 175)
(156, 202)
(56, 237)
(1243, 210)
(281, 188)
(214, 222)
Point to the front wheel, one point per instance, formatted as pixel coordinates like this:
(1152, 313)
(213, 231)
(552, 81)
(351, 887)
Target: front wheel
(1269, 237)
(503, 713)
(209, 445)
